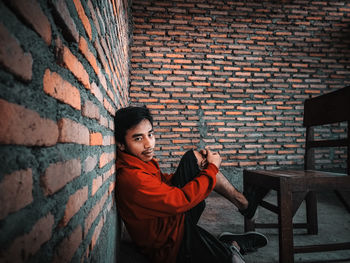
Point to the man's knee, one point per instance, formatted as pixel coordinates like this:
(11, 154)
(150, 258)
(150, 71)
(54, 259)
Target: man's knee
(201, 160)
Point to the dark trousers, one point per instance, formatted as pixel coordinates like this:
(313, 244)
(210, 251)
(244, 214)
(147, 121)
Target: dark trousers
(197, 245)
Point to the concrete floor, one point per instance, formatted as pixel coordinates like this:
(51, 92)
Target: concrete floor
(220, 215)
(334, 226)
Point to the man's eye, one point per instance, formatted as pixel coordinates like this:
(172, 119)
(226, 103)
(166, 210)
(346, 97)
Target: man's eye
(138, 139)
(151, 135)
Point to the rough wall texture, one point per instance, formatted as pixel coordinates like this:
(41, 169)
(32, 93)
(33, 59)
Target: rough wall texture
(233, 75)
(64, 72)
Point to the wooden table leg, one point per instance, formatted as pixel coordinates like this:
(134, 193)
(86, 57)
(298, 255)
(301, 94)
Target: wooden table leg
(311, 213)
(249, 225)
(285, 220)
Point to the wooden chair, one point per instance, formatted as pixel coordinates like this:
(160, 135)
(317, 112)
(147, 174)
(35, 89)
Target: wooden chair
(294, 186)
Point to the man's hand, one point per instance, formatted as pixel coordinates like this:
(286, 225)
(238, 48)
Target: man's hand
(213, 157)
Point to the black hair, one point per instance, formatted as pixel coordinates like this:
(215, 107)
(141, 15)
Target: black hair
(127, 118)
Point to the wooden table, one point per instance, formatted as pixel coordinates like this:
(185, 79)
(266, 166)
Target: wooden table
(292, 187)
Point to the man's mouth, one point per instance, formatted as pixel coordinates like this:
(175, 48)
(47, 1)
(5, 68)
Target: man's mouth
(149, 152)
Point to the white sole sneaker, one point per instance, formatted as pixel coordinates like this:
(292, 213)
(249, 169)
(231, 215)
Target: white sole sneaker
(248, 241)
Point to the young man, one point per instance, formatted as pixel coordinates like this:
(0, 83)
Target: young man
(161, 211)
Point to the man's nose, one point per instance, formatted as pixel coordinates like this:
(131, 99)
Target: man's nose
(147, 143)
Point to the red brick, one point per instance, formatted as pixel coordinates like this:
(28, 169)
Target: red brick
(57, 87)
(73, 132)
(68, 246)
(29, 244)
(156, 107)
(106, 158)
(96, 138)
(268, 163)
(103, 81)
(242, 164)
(15, 191)
(109, 173)
(96, 184)
(96, 233)
(90, 163)
(84, 49)
(75, 202)
(108, 107)
(70, 29)
(181, 141)
(94, 212)
(108, 140)
(107, 52)
(110, 95)
(73, 64)
(102, 57)
(97, 92)
(171, 135)
(84, 19)
(103, 121)
(13, 58)
(22, 126)
(226, 129)
(33, 14)
(181, 130)
(212, 113)
(90, 110)
(111, 127)
(101, 20)
(291, 145)
(57, 175)
(94, 18)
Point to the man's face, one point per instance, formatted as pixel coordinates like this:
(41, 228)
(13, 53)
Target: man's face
(140, 141)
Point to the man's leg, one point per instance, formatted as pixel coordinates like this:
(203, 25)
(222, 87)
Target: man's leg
(198, 245)
(186, 171)
(250, 241)
(227, 190)
(254, 196)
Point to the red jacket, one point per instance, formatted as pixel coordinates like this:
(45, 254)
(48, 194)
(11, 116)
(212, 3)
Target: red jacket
(152, 209)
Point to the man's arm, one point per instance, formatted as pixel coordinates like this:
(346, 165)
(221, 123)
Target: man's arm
(223, 186)
(167, 177)
(152, 197)
(226, 189)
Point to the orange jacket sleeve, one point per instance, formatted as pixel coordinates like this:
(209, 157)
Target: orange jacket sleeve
(167, 177)
(150, 197)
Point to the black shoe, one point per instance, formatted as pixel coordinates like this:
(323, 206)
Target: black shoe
(248, 242)
(254, 197)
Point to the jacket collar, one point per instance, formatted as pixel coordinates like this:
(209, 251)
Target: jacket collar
(125, 160)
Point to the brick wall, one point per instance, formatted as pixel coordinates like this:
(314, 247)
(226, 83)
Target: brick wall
(233, 75)
(64, 71)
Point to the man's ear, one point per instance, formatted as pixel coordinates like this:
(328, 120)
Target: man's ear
(121, 146)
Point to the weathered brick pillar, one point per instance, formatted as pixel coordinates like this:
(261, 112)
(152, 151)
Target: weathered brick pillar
(64, 72)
